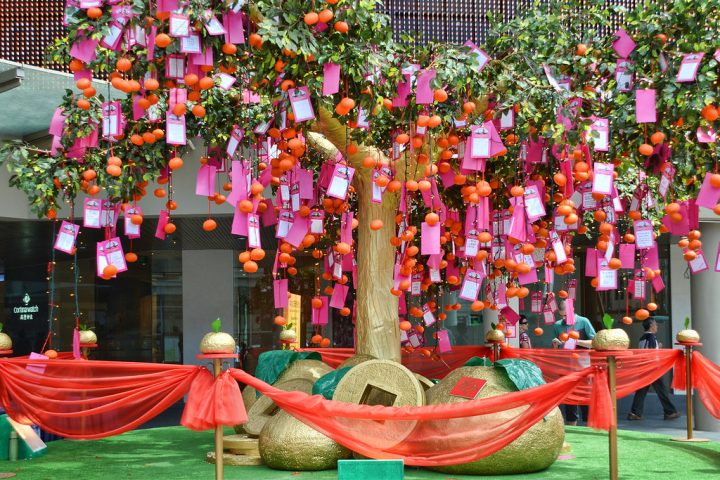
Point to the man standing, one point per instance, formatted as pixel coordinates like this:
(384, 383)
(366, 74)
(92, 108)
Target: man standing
(649, 340)
(586, 333)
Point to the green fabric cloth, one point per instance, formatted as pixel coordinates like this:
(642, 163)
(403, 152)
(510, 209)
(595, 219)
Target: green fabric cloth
(273, 363)
(582, 326)
(523, 373)
(478, 362)
(326, 384)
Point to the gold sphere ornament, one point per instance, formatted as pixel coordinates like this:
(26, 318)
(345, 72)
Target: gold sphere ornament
(286, 443)
(611, 339)
(688, 336)
(217, 342)
(5, 340)
(87, 337)
(495, 336)
(534, 450)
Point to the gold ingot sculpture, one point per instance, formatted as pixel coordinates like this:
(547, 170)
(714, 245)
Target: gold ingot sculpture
(307, 369)
(612, 339)
(235, 460)
(380, 382)
(263, 409)
(249, 396)
(241, 444)
(687, 336)
(286, 443)
(356, 359)
(534, 450)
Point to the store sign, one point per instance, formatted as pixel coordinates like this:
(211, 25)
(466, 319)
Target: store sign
(28, 310)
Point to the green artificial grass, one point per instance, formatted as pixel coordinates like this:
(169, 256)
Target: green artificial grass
(177, 453)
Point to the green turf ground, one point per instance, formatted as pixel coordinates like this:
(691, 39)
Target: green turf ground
(176, 453)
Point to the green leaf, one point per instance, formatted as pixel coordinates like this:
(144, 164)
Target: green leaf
(216, 324)
(478, 362)
(523, 373)
(608, 321)
(687, 323)
(326, 384)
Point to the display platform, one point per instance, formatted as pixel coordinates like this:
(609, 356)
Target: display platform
(179, 453)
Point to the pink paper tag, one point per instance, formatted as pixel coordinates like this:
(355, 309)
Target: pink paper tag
(84, 50)
(280, 293)
(423, 91)
(331, 79)
(511, 316)
(708, 196)
(163, 220)
(301, 104)
(430, 239)
(38, 368)
(689, 67)
(232, 22)
(57, 124)
(339, 295)
(623, 44)
(320, 315)
(443, 340)
(65, 240)
(627, 255)
(645, 107)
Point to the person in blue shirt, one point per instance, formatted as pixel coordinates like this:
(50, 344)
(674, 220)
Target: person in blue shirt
(586, 331)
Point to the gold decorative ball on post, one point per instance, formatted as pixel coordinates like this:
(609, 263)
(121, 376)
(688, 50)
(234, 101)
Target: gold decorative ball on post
(611, 339)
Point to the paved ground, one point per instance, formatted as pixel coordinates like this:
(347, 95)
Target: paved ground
(652, 422)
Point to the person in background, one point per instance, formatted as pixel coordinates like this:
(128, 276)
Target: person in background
(586, 333)
(524, 337)
(649, 340)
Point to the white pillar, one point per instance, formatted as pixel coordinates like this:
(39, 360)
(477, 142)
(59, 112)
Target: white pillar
(208, 293)
(705, 313)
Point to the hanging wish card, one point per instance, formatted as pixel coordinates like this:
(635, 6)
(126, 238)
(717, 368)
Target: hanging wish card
(706, 135)
(65, 240)
(624, 76)
(317, 219)
(698, 264)
(331, 79)
(191, 43)
(253, 236)
(175, 131)
(234, 142)
(643, 230)
(668, 173)
(113, 252)
(112, 121)
(111, 41)
(213, 26)
(428, 316)
(131, 230)
(179, 25)
(689, 67)
(534, 206)
(471, 285)
(175, 67)
(558, 248)
(709, 195)
(481, 57)
(301, 104)
(480, 142)
(548, 316)
(91, 213)
(603, 178)
(600, 134)
(340, 182)
(536, 303)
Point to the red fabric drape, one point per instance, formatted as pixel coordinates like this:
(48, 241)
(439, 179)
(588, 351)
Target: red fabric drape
(706, 380)
(414, 361)
(431, 435)
(636, 368)
(212, 403)
(90, 399)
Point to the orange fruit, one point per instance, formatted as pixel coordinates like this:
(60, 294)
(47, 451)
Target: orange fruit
(123, 65)
(440, 95)
(325, 15)
(341, 27)
(175, 163)
(110, 270)
(209, 225)
(131, 257)
(206, 83)
(162, 40)
(94, 13)
(229, 49)
(657, 137)
(376, 224)
(51, 354)
(645, 149)
(581, 49)
(311, 18)
(250, 267)
(641, 314)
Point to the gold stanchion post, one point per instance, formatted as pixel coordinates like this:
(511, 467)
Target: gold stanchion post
(688, 395)
(219, 463)
(611, 370)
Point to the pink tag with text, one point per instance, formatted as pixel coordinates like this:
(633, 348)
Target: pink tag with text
(331, 79)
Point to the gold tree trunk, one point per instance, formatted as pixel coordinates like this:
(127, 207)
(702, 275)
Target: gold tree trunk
(376, 324)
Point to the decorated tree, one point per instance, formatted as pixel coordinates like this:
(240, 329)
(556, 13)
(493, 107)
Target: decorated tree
(435, 167)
